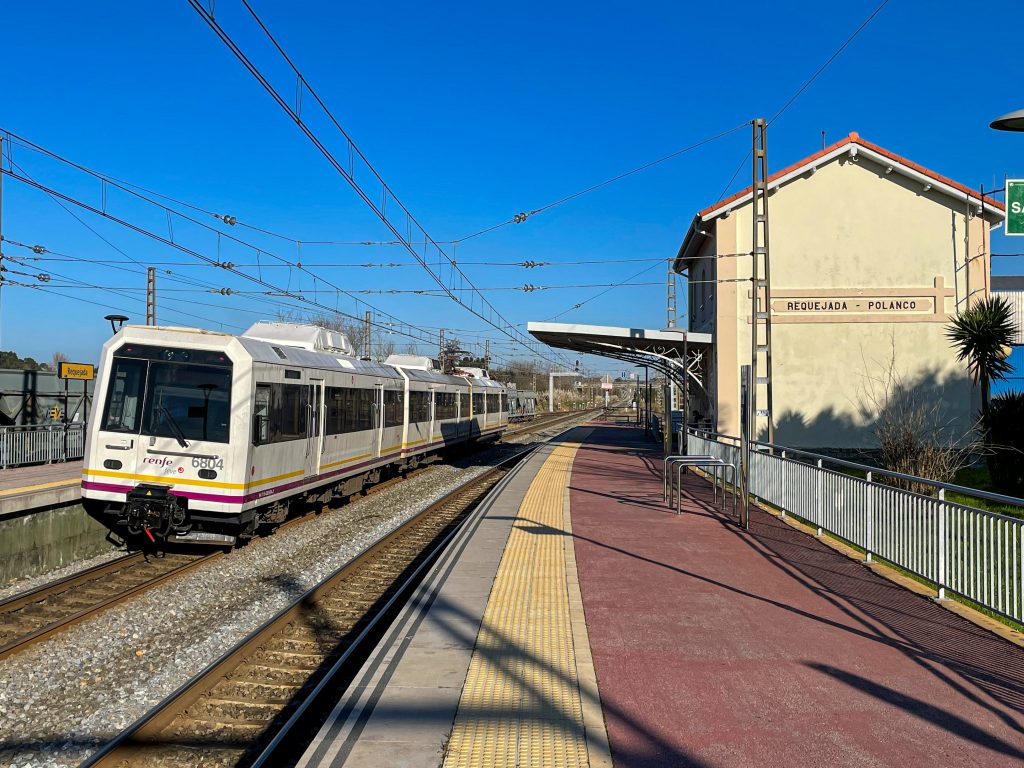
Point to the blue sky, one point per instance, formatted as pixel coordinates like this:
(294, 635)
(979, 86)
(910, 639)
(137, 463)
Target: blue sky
(471, 112)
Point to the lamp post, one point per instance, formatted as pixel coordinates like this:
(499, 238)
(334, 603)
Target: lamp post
(1012, 121)
(119, 319)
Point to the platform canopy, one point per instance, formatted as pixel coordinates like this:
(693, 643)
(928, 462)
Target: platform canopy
(675, 352)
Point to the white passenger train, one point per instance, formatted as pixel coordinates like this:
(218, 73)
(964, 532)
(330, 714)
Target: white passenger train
(203, 436)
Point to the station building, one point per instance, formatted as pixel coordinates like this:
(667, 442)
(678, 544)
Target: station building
(871, 255)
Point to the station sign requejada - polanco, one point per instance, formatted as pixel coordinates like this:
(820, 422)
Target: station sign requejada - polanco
(1015, 206)
(82, 371)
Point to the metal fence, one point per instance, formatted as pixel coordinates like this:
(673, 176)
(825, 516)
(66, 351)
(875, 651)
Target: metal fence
(41, 444)
(972, 552)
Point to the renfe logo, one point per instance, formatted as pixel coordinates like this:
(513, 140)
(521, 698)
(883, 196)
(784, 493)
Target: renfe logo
(158, 462)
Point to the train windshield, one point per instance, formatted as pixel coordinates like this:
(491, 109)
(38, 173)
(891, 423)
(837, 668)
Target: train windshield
(169, 398)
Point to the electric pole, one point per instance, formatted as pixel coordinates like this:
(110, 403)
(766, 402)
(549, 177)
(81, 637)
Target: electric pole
(760, 292)
(367, 336)
(670, 296)
(1, 210)
(150, 295)
(441, 351)
(487, 354)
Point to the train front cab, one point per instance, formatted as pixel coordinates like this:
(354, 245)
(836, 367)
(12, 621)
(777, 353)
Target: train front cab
(165, 451)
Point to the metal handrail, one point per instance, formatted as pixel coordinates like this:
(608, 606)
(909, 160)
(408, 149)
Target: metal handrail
(938, 484)
(972, 552)
(705, 463)
(41, 443)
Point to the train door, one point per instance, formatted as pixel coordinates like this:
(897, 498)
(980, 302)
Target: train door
(379, 417)
(315, 426)
(433, 415)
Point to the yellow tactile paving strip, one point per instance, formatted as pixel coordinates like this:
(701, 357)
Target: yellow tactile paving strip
(521, 704)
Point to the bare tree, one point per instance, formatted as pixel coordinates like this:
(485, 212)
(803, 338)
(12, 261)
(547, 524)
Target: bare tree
(916, 436)
(57, 359)
(384, 350)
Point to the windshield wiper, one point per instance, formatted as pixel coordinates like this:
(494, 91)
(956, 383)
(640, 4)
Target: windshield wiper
(178, 434)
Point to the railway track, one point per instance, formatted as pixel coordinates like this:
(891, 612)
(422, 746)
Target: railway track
(542, 422)
(242, 708)
(36, 615)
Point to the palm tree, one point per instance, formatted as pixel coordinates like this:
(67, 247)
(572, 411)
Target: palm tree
(982, 335)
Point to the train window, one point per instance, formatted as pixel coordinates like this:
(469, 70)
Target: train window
(261, 415)
(464, 404)
(288, 412)
(445, 405)
(394, 408)
(188, 401)
(419, 407)
(492, 403)
(351, 410)
(478, 403)
(124, 403)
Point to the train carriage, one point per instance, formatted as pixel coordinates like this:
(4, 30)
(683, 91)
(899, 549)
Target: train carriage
(203, 436)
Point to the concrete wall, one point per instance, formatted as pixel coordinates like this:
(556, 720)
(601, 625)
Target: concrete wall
(851, 231)
(45, 539)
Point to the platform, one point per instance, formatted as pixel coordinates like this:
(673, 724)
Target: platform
(38, 486)
(702, 644)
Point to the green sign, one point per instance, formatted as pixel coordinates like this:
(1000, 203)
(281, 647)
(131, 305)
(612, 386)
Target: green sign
(1015, 206)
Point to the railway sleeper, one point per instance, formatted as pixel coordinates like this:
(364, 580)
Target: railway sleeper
(191, 730)
(189, 756)
(263, 672)
(229, 711)
(253, 690)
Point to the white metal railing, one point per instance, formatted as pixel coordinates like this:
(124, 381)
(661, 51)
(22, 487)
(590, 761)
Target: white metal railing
(969, 551)
(41, 444)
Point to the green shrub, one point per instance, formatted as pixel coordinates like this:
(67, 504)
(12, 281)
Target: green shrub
(1005, 424)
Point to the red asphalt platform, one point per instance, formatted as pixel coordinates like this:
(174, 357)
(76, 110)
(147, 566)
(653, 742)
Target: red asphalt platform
(719, 647)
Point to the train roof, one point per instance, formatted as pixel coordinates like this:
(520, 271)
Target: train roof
(304, 346)
(282, 354)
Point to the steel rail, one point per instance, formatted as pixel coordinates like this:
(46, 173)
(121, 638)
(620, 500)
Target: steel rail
(74, 585)
(93, 576)
(153, 737)
(534, 426)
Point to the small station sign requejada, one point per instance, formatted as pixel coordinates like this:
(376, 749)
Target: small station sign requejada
(78, 371)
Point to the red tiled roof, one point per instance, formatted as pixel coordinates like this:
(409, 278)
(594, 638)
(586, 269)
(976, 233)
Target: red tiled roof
(855, 138)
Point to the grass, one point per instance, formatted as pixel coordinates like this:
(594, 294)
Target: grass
(969, 477)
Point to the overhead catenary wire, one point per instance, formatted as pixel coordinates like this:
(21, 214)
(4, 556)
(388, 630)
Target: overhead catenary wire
(789, 102)
(407, 328)
(381, 317)
(519, 218)
(807, 84)
(485, 311)
(412, 331)
(378, 291)
(170, 211)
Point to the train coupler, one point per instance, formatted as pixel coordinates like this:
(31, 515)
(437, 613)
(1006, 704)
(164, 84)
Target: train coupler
(153, 511)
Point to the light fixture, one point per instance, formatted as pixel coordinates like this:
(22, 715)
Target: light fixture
(1012, 121)
(119, 319)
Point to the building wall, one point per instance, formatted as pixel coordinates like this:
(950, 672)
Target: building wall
(852, 233)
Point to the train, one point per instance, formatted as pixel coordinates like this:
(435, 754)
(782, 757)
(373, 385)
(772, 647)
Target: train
(205, 437)
(522, 404)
